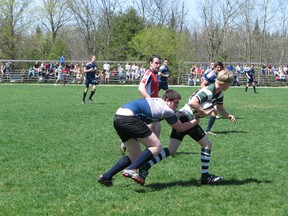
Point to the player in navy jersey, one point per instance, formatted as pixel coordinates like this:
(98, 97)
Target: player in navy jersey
(163, 75)
(130, 123)
(212, 93)
(250, 75)
(90, 73)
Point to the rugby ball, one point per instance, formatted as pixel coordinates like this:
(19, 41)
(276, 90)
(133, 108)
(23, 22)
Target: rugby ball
(207, 105)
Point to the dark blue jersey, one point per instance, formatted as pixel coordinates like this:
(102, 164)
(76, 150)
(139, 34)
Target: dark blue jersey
(250, 73)
(88, 66)
(164, 70)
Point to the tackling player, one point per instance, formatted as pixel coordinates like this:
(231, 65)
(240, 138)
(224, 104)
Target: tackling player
(149, 87)
(130, 123)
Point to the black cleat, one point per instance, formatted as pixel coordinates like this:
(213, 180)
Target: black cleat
(103, 181)
(211, 179)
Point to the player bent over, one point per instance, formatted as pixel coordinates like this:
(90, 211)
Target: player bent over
(212, 93)
(130, 123)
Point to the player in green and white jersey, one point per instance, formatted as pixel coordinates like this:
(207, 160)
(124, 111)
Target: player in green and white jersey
(212, 93)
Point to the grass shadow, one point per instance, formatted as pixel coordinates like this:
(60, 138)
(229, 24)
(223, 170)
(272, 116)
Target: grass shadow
(186, 153)
(230, 132)
(196, 183)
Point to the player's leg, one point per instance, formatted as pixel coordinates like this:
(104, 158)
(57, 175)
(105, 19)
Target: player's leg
(85, 93)
(155, 127)
(153, 148)
(128, 129)
(254, 87)
(134, 150)
(247, 85)
(85, 90)
(92, 91)
(206, 177)
(211, 122)
(166, 152)
(175, 141)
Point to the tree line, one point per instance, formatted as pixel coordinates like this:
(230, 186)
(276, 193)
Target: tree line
(118, 30)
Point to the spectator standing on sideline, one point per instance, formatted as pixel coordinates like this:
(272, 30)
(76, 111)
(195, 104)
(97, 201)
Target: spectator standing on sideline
(250, 75)
(142, 70)
(238, 70)
(163, 75)
(192, 76)
(62, 61)
(31, 71)
(77, 72)
(107, 76)
(213, 93)
(128, 71)
(208, 79)
(59, 75)
(90, 78)
(106, 66)
(130, 123)
(230, 68)
(3, 70)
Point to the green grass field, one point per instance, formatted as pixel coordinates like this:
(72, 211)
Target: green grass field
(52, 149)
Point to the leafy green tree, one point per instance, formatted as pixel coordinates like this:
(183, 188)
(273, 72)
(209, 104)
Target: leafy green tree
(165, 42)
(12, 14)
(124, 27)
(59, 48)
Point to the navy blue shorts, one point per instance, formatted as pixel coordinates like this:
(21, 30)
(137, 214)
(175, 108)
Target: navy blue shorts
(163, 85)
(195, 132)
(130, 127)
(91, 81)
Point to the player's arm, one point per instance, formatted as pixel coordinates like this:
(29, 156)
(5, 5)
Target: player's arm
(221, 110)
(163, 75)
(195, 104)
(142, 90)
(89, 70)
(181, 127)
(204, 83)
(246, 74)
(143, 83)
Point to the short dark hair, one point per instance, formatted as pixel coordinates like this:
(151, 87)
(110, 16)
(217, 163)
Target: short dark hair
(219, 64)
(171, 95)
(152, 58)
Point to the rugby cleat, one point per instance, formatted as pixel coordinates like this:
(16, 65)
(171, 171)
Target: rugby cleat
(211, 179)
(103, 181)
(131, 173)
(143, 174)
